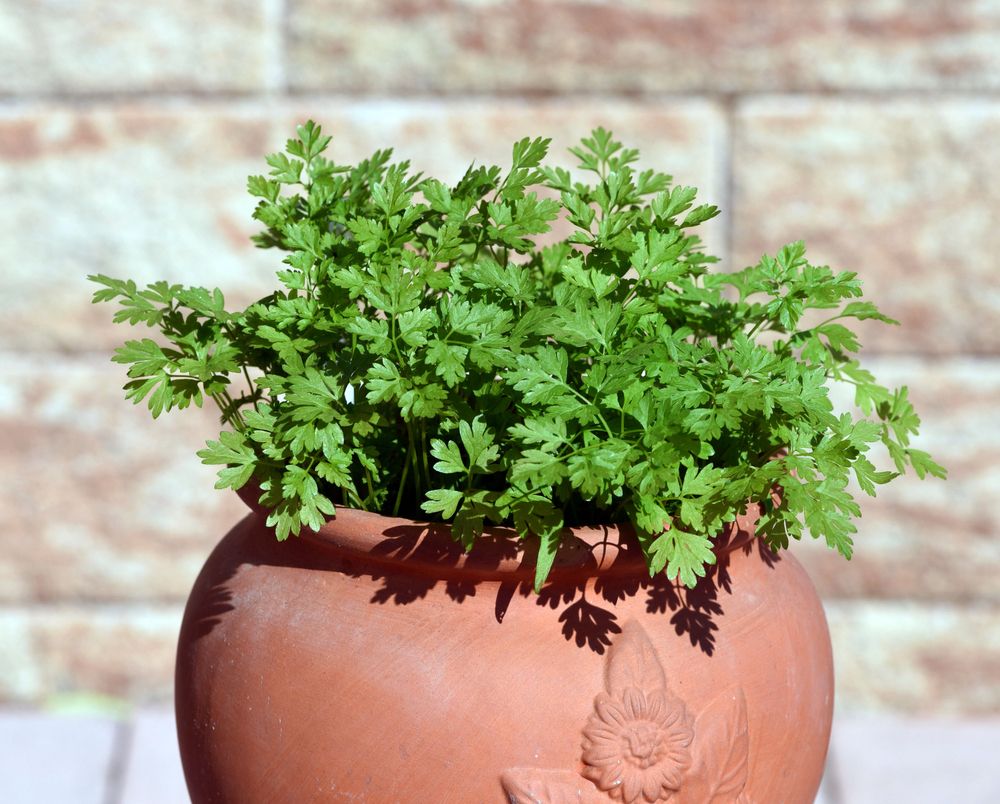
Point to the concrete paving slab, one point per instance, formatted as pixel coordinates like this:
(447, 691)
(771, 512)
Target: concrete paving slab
(62, 759)
(822, 797)
(881, 759)
(828, 787)
(153, 773)
(48, 759)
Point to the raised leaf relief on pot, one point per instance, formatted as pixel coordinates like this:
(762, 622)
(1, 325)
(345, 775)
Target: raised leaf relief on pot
(641, 744)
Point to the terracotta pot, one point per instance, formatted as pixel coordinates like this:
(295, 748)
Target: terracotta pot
(377, 662)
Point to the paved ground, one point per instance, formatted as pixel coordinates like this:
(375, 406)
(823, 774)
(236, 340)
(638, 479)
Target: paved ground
(63, 759)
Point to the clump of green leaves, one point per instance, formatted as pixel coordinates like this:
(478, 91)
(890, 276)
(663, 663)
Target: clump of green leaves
(425, 356)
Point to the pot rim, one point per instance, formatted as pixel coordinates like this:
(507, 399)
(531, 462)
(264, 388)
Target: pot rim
(428, 547)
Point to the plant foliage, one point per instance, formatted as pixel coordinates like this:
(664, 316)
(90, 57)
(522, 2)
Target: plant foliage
(426, 356)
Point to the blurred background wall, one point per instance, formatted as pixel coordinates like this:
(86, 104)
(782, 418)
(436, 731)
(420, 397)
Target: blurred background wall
(871, 128)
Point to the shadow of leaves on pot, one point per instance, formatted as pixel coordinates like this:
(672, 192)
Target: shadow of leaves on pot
(589, 581)
(215, 606)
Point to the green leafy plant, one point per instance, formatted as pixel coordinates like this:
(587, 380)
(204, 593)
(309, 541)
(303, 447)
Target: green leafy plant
(426, 356)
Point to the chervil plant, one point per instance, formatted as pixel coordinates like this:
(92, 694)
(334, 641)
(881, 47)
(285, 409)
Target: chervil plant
(425, 356)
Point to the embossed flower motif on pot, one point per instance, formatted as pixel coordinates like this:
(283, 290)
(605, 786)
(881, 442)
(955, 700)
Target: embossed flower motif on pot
(636, 746)
(641, 743)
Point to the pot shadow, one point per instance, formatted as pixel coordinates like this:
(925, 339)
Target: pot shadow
(586, 605)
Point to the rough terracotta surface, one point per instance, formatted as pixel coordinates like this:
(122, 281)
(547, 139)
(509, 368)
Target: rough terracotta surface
(159, 193)
(673, 45)
(95, 46)
(905, 192)
(414, 672)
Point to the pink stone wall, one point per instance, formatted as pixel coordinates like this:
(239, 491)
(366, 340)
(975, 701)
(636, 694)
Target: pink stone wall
(127, 128)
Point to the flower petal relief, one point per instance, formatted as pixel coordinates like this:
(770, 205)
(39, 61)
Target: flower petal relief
(636, 745)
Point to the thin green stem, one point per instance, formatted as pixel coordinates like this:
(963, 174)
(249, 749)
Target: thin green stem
(237, 415)
(221, 405)
(481, 239)
(371, 487)
(253, 389)
(230, 413)
(756, 327)
(829, 320)
(412, 454)
(392, 337)
(423, 453)
(600, 416)
(402, 481)
(355, 499)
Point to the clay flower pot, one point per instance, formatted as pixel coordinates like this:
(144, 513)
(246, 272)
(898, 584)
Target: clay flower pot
(375, 661)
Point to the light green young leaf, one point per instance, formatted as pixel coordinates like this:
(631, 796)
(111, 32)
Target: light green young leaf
(449, 457)
(442, 501)
(236, 456)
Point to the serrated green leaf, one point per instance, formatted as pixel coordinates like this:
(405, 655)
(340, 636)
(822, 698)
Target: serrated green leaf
(449, 457)
(442, 501)
(384, 382)
(478, 442)
(285, 170)
(143, 357)
(868, 476)
(863, 310)
(923, 464)
(682, 555)
(236, 456)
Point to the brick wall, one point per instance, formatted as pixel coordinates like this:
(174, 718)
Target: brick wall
(127, 129)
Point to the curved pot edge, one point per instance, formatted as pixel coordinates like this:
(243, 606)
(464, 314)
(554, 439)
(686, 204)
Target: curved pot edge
(500, 552)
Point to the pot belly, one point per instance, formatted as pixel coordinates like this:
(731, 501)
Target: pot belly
(306, 675)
